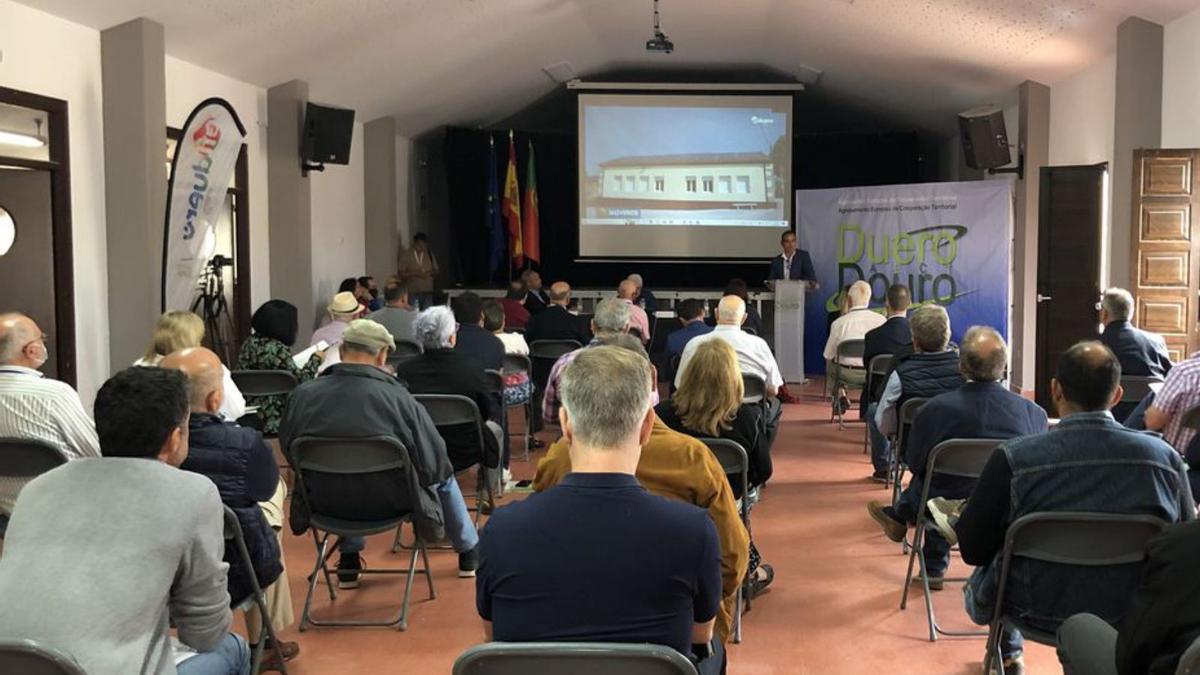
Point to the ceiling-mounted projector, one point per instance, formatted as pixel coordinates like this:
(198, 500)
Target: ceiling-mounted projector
(660, 42)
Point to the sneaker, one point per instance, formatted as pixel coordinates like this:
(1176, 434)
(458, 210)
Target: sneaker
(945, 514)
(468, 562)
(348, 568)
(880, 476)
(894, 529)
(507, 476)
(1014, 665)
(756, 585)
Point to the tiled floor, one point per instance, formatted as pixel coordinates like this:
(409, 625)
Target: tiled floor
(833, 607)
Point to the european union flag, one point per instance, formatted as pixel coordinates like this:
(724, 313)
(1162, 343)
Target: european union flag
(495, 228)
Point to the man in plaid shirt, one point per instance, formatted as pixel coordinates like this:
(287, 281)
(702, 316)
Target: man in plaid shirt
(611, 318)
(1180, 393)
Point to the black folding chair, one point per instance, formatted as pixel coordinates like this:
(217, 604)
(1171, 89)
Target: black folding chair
(1066, 538)
(846, 349)
(904, 421)
(452, 410)
(543, 354)
(877, 369)
(313, 456)
(577, 658)
(29, 657)
(754, 388)
(733, 459)
(405, 350)
(236, 538)
(26, 459)
(495, 389)
(1135, 388)
(258, 384)
(957, 457)
(520, 363)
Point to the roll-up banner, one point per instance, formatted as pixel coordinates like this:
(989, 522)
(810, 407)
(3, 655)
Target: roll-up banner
(200, 175)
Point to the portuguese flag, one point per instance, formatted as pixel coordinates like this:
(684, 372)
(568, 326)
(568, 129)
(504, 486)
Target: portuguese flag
(530, 234)
(511, 206)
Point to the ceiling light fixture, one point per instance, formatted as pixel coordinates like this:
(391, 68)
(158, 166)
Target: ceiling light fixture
(660, 42)
(23, 140)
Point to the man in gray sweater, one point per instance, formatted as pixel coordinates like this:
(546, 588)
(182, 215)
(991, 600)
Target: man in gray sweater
(102, 553)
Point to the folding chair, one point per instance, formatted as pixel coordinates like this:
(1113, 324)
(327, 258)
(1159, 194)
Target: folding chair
(29, 657)
(235, 537)
(312, 456)
(1066, 538)
(260, 384)
(542, 355)
(495, 389)
(754, 388)
(26, 459)
(520, 363)
(449, 410)
(733, 459)
(1136, 388)
(879, 367)
(846, 349)
(904, 421)
(405, 350)
(577, 658)
(957, 457)
(1189, 663)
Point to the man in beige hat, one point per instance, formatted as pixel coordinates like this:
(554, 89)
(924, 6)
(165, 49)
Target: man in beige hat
(357, 398)
(344, 309)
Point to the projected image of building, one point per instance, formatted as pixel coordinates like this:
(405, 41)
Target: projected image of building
(689, 181)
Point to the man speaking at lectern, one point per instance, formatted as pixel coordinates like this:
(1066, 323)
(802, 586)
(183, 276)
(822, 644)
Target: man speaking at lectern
(792, 263)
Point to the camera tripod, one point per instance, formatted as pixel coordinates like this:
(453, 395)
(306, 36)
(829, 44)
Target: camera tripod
(214, 309)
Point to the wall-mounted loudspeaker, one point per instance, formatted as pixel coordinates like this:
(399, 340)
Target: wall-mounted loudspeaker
(326, 137)
(984, 139)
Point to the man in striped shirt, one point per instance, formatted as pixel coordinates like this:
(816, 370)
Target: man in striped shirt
(1180, 393)
(34, 407)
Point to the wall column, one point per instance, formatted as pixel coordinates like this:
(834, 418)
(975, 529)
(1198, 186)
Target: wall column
(133, 68)
(290, 204)
(1034, 143)
(380, 197)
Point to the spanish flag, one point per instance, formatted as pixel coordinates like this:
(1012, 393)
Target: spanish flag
(531, 235)
(511, 206)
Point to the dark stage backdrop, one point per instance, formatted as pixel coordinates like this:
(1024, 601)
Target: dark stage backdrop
(819, 161)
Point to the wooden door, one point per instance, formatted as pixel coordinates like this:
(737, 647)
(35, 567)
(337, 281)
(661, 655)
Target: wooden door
(1070, 222)
(1165, 249)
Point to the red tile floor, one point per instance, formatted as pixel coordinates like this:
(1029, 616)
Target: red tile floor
(834, 606)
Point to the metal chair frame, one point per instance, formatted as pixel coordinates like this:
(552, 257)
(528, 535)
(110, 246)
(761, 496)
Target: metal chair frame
(578, 658)
(30, 657)
(846, 349)
(754, 388)
(516, 363)
(905, 418)
(958, 457)
(234, 534)
(355, 456)
(405, 350)
(880, 365)
(734, 460)
(26, 458)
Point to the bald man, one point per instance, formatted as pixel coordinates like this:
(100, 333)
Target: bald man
(627, 292)
(643, 297)
(244, 470)
(754, 356)
(557, 322)
(982, 407)
(34, 407)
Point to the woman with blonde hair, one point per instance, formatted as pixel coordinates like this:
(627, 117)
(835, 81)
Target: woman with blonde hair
(182, 330)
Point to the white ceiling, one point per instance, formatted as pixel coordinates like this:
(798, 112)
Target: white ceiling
(435, 62)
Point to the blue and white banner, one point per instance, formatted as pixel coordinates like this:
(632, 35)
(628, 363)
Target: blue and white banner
(201, 171)
(950, 243)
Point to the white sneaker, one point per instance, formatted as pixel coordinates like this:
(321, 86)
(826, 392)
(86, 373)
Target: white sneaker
(945, 514)
(507, 476)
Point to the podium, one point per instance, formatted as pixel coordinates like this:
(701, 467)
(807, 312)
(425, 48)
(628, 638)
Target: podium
(789, 328)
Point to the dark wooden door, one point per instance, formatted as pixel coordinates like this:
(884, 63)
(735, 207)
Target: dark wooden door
(1165, 251)
(1070, 218)
(27, 270)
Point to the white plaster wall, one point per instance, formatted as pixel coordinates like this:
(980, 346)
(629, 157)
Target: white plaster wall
(338, 225)
(46, 55)
(1181, 82)
(187, 86)
(404, 189)
(1082, 113)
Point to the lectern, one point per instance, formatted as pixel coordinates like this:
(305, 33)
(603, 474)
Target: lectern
(789, 328)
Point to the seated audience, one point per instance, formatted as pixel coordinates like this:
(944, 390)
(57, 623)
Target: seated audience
(243, 468)
(269, 347)
(357, 398)
(1179, 394)
(1088, 463)
(513, 304)
(397, 315)
(369, 295)
(739, 288)
(472, 339)
(1140, 352)
(642, 297)
(181, 330)
(607, 411)
(536, 299)
(691, 315)
(708, 404)
(754, 356)
(931, 370)
(35, 407)
(893, 337)
(518, 388)
(342, 310)
(443, 369)
(1162, 621)
(556, 323)
(140, 553)
(638, 319)
(854, 324)
(611, 319)
(981, 408)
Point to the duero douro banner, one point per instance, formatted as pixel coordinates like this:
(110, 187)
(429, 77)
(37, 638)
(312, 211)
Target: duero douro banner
(201, 171)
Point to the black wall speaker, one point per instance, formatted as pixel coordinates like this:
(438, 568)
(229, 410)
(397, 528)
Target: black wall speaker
(327, 134)
(984, 139)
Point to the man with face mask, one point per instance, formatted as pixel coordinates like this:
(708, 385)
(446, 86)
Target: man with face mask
(34, 407)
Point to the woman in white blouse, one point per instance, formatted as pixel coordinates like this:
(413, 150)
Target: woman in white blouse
(180, 330)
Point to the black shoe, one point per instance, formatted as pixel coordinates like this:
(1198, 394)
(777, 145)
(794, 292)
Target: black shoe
(756, 586)
(347, 570)
(468, 562)
(880, 476)
(894, 528)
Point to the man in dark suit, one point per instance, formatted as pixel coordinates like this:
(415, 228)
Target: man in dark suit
(556, 323)
(536, 299)
(980, 408)
(472, 339)
(1162, 620)
(893, 337)
(1139, 352)
(793, 263)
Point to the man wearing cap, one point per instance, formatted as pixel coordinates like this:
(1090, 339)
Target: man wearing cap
(344, 309)
(357, 398)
